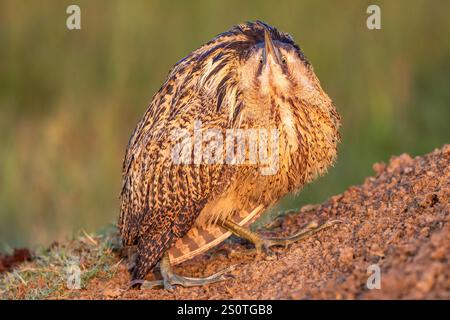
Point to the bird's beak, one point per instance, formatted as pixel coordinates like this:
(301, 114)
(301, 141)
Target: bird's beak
(270, 49)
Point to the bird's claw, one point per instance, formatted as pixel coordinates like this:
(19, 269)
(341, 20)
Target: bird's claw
(170, 280)
(264, 245)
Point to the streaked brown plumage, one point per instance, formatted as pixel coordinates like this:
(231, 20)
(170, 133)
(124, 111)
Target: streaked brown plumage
(231, 82)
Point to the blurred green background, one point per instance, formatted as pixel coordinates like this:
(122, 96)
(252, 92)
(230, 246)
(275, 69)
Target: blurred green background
(69, 100)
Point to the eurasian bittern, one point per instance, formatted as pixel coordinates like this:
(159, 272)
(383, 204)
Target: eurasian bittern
(251, 81)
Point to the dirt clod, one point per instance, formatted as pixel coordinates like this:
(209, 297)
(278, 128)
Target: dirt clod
(7, 262)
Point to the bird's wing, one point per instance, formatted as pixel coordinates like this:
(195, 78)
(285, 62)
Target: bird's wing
(161, 199)
(152, 181)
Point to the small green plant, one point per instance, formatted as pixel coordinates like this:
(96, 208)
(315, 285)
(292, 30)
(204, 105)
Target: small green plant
(46, 276)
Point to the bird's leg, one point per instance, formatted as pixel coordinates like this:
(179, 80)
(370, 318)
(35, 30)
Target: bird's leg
(170, 278)
(264, 244)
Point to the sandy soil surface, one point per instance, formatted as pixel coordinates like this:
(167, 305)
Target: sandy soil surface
(397, 220)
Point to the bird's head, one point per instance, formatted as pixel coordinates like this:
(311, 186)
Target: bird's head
(275, 67)
(252, 66)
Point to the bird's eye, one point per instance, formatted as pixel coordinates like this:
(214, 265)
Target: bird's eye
(261, 60)
(283, 60)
